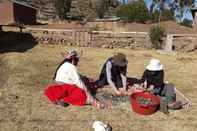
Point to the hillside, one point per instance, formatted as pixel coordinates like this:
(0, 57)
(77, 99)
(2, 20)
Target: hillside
(170, 26)
(46, 11)
(79, 8)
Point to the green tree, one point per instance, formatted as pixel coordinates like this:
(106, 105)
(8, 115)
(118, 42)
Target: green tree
(62, 8)
(185, 2)
(101, 6)
(161, 8)
(67, 6)
(164, 16)
(175, 5)
(135, 11)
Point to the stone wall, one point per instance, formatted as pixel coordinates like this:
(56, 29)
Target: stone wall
(105, 39)
(181, 42)
(110, 39)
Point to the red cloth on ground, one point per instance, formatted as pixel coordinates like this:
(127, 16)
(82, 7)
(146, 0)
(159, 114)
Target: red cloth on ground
(71, 94)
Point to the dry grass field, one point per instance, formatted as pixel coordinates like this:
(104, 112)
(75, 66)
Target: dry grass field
(23, 107)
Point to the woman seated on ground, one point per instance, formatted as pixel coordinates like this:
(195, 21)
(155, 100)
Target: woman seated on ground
(113, 73)
(69, 87)
(153, 81)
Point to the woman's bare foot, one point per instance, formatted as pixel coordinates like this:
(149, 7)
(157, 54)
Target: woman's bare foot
(175, 105)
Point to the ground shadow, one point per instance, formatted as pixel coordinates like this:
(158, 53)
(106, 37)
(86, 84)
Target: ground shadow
(90, 84)
(16, 42)
(131, 81)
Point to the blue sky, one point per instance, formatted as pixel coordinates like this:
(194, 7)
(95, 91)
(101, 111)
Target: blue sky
(186, 15)
(195, 3)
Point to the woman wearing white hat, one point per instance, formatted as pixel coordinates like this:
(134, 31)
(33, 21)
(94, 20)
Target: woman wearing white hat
(153, 81)
(153, 76)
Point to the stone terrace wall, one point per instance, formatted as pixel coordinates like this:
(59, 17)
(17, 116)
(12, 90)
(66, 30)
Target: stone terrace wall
(181, 42)
(105, 39)
(133, 40)
(53, 36)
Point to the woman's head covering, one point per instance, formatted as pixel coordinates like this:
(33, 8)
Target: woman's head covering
(71, 54)
(154, 65)
(119, 59)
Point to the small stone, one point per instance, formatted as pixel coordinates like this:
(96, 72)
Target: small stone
(104, 46)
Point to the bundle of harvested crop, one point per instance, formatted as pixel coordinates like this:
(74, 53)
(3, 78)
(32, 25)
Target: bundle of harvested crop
(116, 100)
(144, 101)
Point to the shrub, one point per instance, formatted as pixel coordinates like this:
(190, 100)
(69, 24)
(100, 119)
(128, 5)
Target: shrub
(187, 23)
(155, 16)
(165, 15)
(156, 33)
(136, 11)
(101, 7)
(59, 6)
(62, 7)
(124, 12)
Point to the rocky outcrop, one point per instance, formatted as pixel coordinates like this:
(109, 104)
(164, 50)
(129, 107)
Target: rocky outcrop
(81, 8)
(86, 9)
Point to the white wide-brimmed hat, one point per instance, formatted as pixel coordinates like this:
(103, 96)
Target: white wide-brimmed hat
(100, 126)
(154, 65)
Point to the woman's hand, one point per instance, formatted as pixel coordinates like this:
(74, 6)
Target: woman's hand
(133, 89)
(151, 88)
(118, 92)
(97, 104)
(121, 92)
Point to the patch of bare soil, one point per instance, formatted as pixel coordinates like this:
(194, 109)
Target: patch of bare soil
(63, 25)
(170, 27)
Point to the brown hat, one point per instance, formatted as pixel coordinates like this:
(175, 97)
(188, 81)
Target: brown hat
(119, 59)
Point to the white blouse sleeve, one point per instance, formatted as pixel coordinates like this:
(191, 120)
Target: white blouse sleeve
(109, 77)
(74, 75)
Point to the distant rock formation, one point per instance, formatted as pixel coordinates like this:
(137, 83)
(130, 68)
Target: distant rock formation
(87, 8)
(80, 9)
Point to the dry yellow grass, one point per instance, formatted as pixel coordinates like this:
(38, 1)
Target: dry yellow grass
(23, 107)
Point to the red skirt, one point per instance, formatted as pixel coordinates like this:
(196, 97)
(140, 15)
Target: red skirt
(71, 94)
